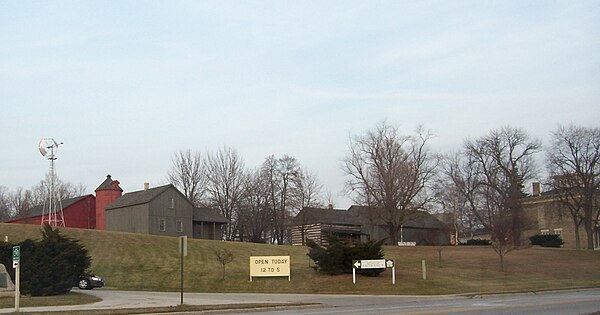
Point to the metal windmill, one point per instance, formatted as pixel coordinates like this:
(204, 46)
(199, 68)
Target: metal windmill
(52, 212)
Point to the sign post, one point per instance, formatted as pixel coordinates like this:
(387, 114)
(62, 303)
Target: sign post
(182, 253)
(373, 264)
(16, 255)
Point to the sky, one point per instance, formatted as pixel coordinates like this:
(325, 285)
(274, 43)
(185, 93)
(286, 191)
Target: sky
(126, 84)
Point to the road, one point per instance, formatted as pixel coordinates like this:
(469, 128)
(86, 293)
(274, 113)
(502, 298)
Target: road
(561, 302)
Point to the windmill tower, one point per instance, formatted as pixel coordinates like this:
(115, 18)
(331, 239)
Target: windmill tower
(52, 212)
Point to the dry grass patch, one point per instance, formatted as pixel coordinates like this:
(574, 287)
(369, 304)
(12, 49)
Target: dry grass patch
(71, 298)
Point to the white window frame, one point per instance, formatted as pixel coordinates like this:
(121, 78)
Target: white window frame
(162, 225)
(545, 231)
(558, 231)
(179, 226)
(171, 203)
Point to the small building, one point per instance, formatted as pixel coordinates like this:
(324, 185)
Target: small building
(208, 224)
(316, 224)
(359, 224)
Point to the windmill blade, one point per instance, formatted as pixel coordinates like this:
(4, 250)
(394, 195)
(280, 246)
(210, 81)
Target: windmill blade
(42, 147)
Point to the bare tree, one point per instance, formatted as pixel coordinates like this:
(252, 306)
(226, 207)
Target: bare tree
(63, 190)
(21, 200)
(390, 173)
(6, 211)
(453, 203)
(283, 181)
(254, 216)
(224, 256)
(225, 172)
(574, 164)
(188, 174)
(490, 176)
(310, 190)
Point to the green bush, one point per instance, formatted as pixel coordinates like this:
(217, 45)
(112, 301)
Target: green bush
(50, 266)
(552, 240)
(337, 257)
(478, 242)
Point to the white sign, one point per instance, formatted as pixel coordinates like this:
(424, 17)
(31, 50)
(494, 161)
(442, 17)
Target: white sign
(407, 243)
(270, 266)
(369, 264)
(373, 264)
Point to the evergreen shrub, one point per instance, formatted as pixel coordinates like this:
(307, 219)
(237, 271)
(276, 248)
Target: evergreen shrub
(551, 240)
(336, 258)
(51, 266)
(478, 242)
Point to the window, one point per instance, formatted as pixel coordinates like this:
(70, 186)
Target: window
(558, 231)
(162, 225)
(545, 232)
(179, 226)
(171, 203)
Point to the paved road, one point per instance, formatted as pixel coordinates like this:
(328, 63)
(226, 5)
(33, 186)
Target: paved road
(564, 302)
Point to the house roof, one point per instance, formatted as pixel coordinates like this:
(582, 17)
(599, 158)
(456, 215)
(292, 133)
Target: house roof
(328, 216)
(208, 215)
(422, 219)
(418, 219)
(138, 197)
(37, 210)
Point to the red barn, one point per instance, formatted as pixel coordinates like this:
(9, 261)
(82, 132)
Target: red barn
(78, 212)
(84, 212)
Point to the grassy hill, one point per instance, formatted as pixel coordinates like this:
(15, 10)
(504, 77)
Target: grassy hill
(143, 262)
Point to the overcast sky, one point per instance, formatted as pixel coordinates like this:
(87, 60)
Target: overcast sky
(125, 84)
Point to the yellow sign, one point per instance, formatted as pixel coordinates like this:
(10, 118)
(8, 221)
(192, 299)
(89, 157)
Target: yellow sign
(270, 266)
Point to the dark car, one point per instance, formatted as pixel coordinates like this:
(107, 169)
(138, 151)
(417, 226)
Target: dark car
(89, 282)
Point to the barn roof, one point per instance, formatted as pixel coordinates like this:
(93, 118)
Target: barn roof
(138, 197)
(37, 210)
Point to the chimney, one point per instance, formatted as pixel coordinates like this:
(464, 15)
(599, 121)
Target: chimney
(146, 186)
(537, 190)
(330, 206)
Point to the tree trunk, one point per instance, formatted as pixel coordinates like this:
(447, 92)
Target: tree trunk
(589, 231)
(577, 238)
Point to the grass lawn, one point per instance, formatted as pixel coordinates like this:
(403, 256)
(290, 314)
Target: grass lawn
(142, 262)
(71, 298)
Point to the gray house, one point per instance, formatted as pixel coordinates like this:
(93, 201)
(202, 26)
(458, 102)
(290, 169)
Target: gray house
(162, 210)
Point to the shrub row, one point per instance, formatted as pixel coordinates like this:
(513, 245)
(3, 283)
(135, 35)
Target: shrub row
(477, 242)
(552, 240)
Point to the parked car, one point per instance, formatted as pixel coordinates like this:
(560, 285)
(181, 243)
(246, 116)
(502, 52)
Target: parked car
(89, 282)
